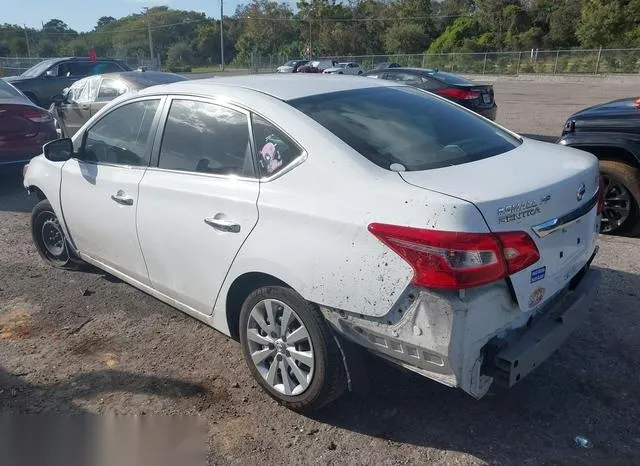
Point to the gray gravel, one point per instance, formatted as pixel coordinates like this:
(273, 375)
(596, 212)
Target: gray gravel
(83, 342)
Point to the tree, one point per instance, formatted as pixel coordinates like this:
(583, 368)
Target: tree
(179, 56)
(405, 38)
(602, 23)
(56, 25)
(103, 21)
(46, 48)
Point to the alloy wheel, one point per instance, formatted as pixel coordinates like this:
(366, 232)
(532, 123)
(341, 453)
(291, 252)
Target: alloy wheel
(617, 205)
(280, 347)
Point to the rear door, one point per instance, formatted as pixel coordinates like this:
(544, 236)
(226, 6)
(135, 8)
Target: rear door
(199, 203)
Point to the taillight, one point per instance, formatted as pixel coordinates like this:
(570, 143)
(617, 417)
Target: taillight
(601, 196)
(445, 259)
(459, 94)
(34, 114)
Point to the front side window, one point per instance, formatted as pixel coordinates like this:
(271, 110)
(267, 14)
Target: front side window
(206, 138)
(406, 127)
(122, 135)
(111, 88)
(275, 150)
(75, 91)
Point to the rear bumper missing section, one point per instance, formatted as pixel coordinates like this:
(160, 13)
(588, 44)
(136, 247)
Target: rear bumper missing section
(519, 355)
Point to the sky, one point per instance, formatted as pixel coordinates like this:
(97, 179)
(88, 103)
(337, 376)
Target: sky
(82, 15)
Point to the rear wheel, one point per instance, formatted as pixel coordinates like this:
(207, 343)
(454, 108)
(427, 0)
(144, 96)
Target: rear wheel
(621, 213)
(290, 349)
(49, 237)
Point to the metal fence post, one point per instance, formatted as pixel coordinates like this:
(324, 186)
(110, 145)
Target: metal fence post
(555, 65)
(598, 60)
(424, 57)
(484, 63)
(518, 65)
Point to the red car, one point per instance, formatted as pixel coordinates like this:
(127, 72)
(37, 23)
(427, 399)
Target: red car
(24, 127)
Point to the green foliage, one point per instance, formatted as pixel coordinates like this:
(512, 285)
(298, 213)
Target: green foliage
(602, 22)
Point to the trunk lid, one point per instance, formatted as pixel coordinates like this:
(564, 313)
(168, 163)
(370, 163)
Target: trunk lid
(526, 189)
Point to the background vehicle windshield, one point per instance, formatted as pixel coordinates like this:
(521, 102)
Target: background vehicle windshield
(38, 69)
(406, 126)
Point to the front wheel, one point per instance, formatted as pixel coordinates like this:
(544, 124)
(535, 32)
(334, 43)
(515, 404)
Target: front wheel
(49, 237)
(290, 349)
(621, 213)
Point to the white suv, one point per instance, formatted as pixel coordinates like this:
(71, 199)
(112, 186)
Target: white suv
(295, 215)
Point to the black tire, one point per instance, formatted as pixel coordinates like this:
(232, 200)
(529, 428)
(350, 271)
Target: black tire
(359, 73)
(629, 177)
(45, 229)
(328, 380)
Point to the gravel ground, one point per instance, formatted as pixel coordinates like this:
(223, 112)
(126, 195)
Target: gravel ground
(84, 342)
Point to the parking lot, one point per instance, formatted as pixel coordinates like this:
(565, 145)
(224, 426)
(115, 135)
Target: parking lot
(84, 342)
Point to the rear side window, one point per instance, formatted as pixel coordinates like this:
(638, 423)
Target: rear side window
(275, 150)
(122, 135)
(206, 138)
(407, 127)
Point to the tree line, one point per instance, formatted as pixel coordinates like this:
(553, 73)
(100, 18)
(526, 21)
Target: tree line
(329, 27)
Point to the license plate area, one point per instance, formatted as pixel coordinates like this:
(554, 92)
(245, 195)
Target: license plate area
(486, 98)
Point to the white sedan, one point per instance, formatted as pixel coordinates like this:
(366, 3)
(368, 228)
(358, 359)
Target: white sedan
(299, 215)
(345, 68)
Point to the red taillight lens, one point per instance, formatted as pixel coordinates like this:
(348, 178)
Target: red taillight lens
(36, 115)
(601, 196)
(444, 259)
(459, 94)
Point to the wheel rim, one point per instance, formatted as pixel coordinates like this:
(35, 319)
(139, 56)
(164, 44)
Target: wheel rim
(52, 236)
(280, 347)
(617, 205)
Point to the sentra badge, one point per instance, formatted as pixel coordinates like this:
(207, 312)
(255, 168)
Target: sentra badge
(520, 210)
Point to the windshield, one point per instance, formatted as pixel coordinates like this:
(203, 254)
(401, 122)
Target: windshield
(38, 69)
(406, 127)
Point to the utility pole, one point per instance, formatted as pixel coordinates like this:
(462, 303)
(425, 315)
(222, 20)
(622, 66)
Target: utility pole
(221, 35)
(146, 10)
(26, 36)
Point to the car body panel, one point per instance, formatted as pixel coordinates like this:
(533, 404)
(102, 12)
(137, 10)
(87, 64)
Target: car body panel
(307, 227)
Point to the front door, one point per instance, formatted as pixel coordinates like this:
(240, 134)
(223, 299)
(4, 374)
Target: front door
(199, 204)
(78, 110)
(99, 192)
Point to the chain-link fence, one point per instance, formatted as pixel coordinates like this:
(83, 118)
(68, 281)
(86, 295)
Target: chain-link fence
(13, 66)
(596, 61)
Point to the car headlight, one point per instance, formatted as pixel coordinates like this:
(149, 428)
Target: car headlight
(569, 126)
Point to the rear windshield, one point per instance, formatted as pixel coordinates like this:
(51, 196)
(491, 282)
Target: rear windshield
(407, 127)
(449, 78)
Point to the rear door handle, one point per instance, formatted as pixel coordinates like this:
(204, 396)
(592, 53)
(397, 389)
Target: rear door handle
(85, 107)
(121, 198)
(221, 224)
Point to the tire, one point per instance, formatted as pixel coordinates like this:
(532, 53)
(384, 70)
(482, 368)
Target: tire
(49, 238)
(316, 384)
(620, 177)
(359, 73)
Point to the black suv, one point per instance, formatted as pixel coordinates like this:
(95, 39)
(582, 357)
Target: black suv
(50, 77)
(611, 132)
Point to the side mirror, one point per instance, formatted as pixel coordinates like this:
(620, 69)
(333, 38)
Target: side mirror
(58, 99)
(59, 150)
(50, 74)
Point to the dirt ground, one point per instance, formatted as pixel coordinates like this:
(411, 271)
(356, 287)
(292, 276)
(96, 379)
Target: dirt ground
(84, 342)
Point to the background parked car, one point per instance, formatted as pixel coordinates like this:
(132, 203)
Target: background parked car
(86, 97)
(317, 66)
(24, 127)
(611, 131)
(291, 66)
(345, 68)
(50, 77)
(474, 96)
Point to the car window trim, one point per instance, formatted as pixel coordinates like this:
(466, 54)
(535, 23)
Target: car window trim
(154, 164)
(152, 132)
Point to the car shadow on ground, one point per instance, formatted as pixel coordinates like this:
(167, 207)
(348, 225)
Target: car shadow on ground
(20, 397)
(586, 388)
(541, 137)
(13, 196)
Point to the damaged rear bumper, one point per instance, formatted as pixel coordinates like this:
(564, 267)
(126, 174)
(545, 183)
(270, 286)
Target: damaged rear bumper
(469, 339)
(522, 353)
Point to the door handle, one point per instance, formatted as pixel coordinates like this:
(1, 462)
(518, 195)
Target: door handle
(221, 224)
(85, 107)
(121, 198)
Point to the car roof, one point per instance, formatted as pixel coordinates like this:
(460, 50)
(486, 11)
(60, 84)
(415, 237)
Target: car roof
(283, 87)
(61, 59)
